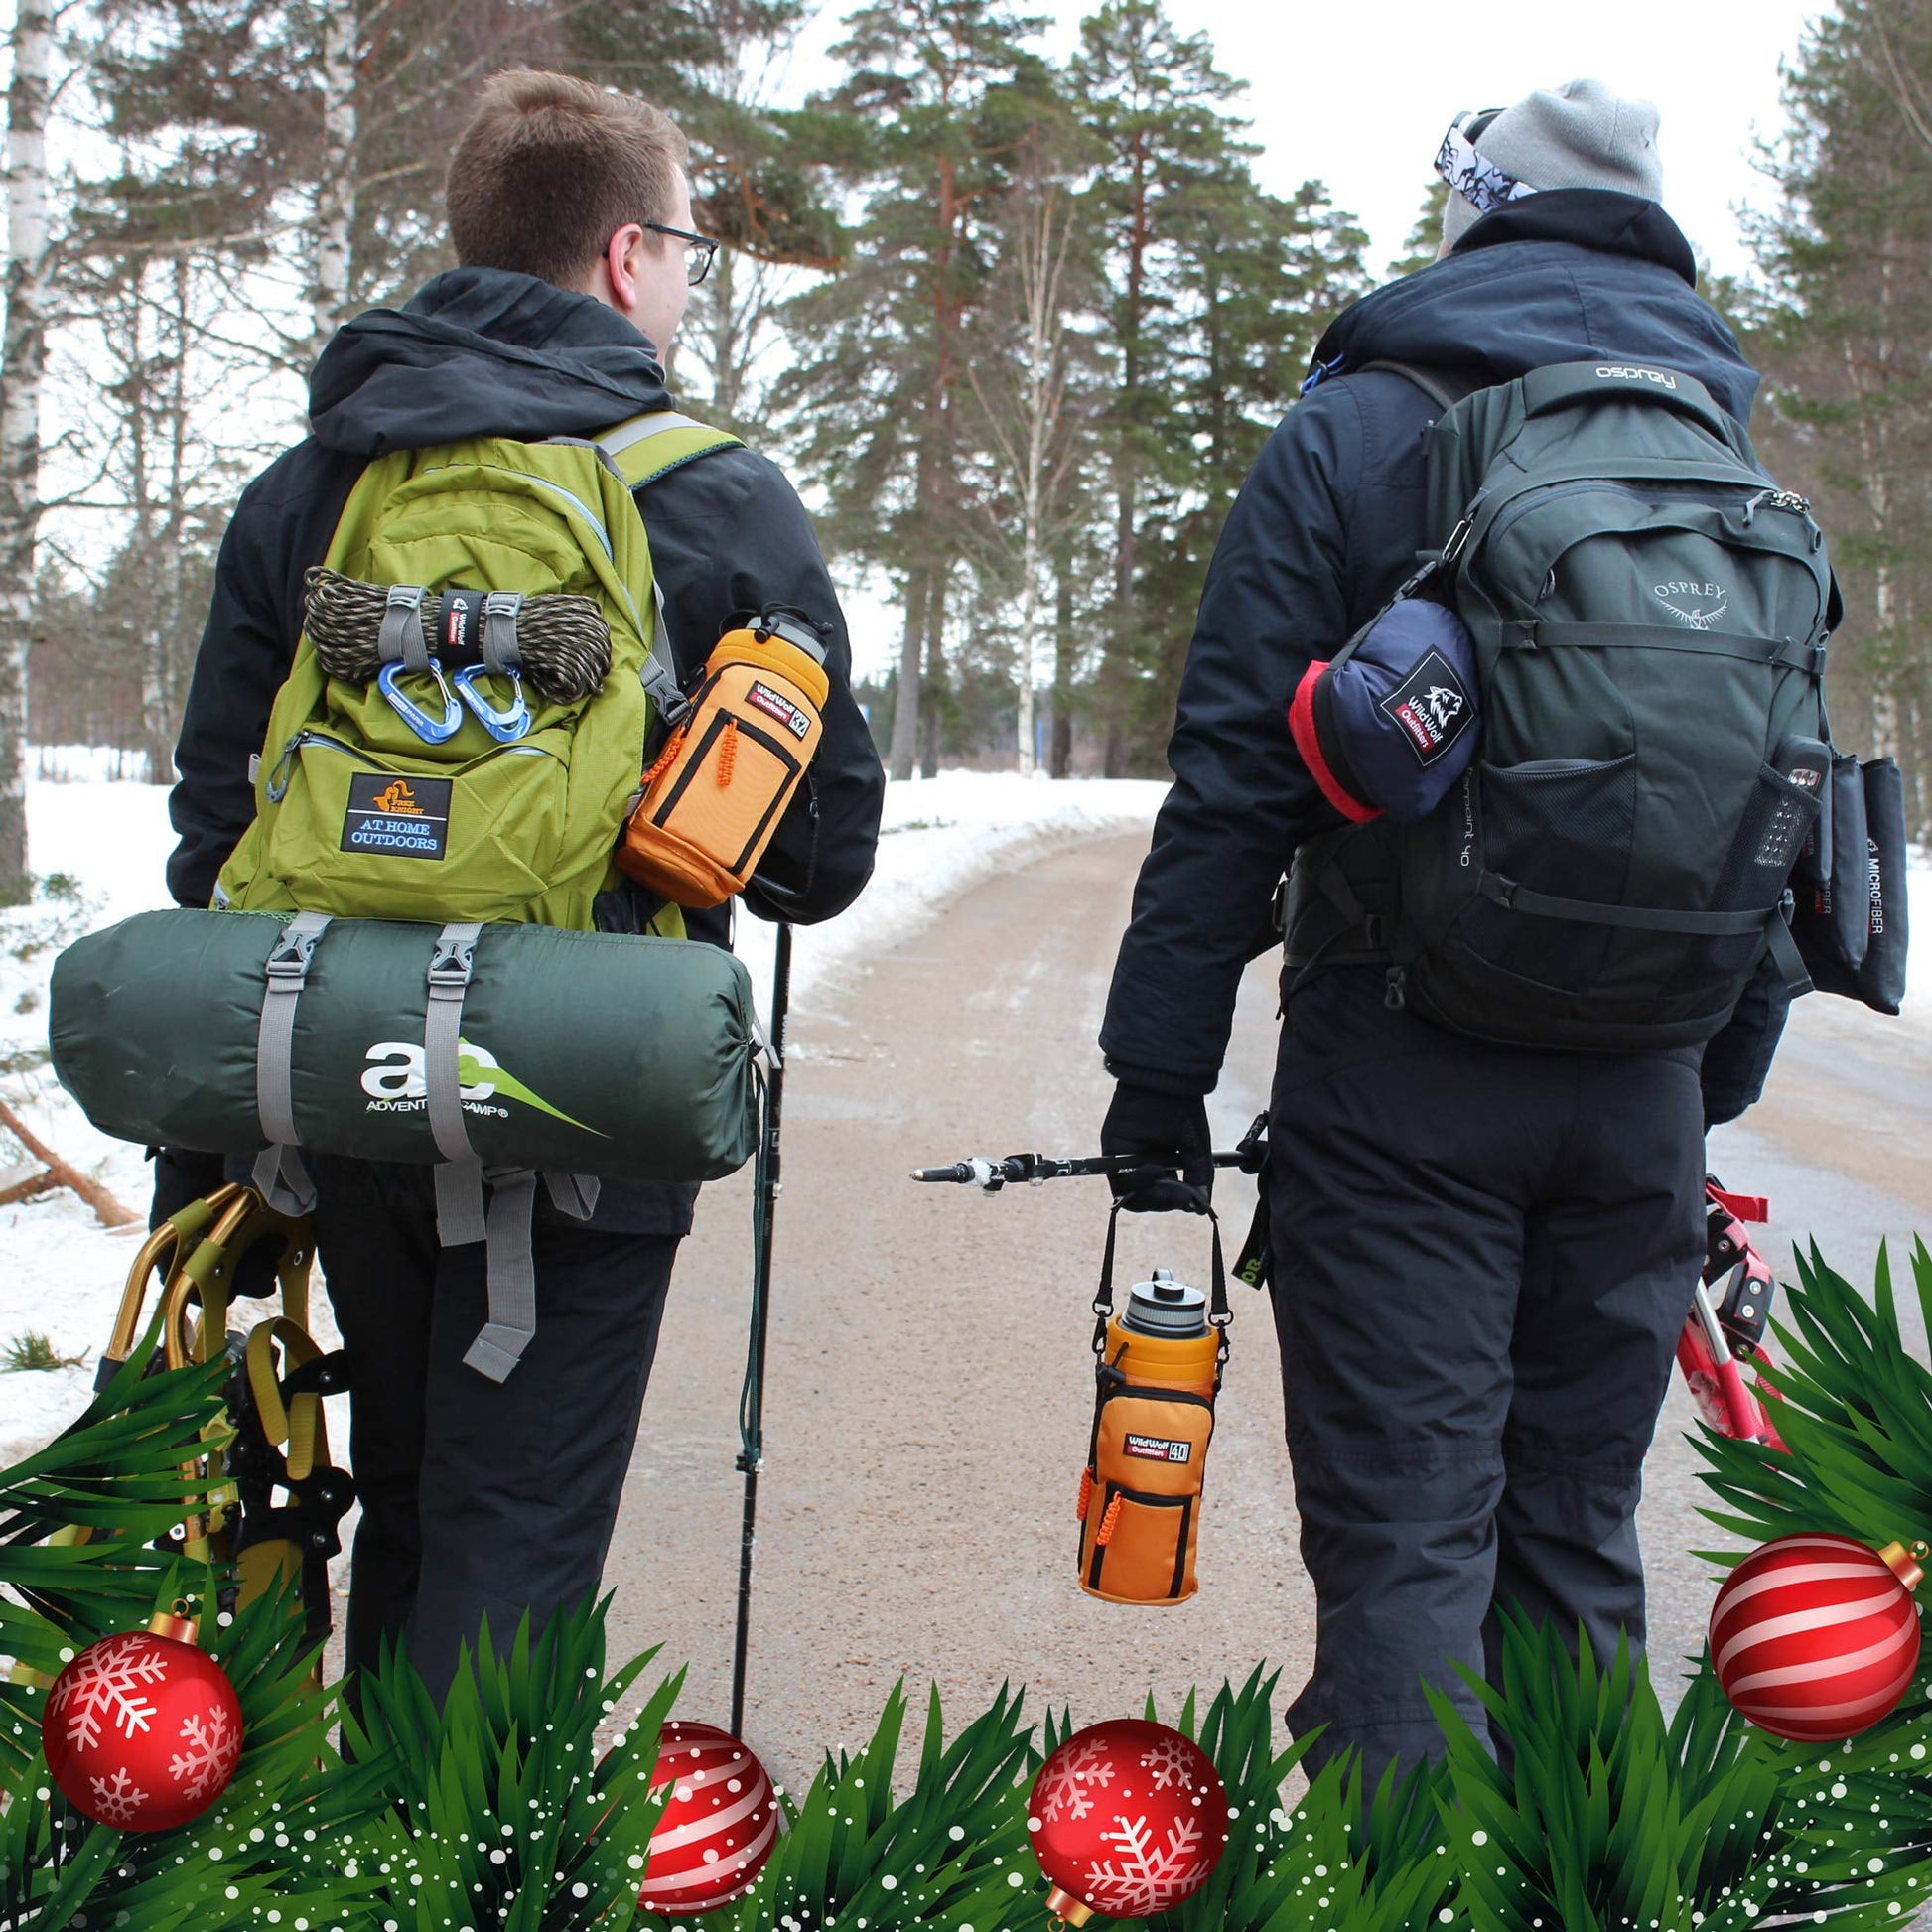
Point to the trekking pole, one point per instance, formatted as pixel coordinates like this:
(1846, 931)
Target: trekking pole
(751, 1402)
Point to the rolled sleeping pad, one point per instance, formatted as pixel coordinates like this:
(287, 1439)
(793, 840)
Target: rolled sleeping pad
(624, 1057)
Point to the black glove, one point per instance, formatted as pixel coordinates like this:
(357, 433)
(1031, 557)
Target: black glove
(1162, 1132)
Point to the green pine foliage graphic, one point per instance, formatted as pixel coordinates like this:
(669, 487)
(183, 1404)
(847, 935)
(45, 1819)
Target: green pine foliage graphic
(497, 1811)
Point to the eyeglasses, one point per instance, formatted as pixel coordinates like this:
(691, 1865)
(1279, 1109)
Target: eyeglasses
(699, 252)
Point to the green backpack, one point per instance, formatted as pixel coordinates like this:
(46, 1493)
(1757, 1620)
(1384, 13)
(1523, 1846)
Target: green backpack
(1649, 612)
(395, 798)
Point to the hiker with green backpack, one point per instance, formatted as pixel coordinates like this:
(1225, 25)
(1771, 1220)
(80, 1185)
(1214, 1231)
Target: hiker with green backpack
(1511, 657)
(451, 631)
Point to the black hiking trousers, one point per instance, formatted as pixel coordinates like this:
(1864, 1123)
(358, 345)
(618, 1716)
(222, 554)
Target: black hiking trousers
(479, 1498)
(1484, 1255)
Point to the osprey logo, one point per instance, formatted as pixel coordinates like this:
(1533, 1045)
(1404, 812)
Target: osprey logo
(1616, 372)
(1674, 596)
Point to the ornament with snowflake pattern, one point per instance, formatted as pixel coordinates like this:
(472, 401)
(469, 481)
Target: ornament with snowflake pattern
(1127, 1818)
(142, 1731)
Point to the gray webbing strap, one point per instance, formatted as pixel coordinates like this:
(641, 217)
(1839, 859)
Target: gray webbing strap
(279, 1176)
(459, 1202)
(509, 1266)
(401, 635)
(281, 1179)
(449, 967)
(660, 684)
(640, 427)
(285, 970)
(500, 651)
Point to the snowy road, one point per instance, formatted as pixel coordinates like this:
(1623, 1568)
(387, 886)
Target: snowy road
(930, 1380)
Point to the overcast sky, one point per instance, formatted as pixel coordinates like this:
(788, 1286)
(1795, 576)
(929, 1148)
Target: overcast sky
(1358, 96)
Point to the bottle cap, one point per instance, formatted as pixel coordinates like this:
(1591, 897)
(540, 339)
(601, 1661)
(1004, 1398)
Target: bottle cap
(1167, 1307)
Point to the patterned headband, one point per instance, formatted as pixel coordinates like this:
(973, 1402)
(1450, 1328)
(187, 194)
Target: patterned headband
(1474, 177)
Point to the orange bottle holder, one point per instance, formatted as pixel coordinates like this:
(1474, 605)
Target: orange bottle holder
(712, 801)
(1140, 1499)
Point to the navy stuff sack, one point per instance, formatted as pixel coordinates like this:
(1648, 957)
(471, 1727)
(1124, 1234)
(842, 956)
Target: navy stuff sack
(1390, 724)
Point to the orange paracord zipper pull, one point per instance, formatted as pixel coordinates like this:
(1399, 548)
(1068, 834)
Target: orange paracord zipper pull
(1105, 1534)
(727, 753)
(673, 747)
(1086, 1494)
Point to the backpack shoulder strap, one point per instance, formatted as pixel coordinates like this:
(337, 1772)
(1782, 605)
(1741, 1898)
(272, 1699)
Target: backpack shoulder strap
(1444, 388)
(648, 447)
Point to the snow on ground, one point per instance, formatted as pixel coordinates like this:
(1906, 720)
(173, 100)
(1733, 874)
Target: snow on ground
(60, 1272)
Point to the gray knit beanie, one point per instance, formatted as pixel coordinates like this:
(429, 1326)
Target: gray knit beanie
(1580, 136)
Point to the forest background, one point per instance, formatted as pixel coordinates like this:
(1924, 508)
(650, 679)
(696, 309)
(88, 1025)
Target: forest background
(1018, 320)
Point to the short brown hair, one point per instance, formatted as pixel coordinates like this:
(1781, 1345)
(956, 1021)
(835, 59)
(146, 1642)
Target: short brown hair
(551, 168)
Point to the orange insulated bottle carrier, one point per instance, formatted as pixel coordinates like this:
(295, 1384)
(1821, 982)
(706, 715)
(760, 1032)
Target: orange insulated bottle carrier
(713, 799)
(1158, 1370)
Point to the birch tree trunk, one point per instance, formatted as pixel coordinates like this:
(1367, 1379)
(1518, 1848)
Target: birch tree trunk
(335, 192)
(23, 356)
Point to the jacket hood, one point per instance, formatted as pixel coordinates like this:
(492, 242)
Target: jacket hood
(1566, 276)
(482, 352)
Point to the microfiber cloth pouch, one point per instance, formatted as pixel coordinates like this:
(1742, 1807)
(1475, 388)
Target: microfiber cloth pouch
(1390, 724)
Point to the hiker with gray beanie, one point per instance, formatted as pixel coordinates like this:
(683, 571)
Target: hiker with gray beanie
(1483, 1252)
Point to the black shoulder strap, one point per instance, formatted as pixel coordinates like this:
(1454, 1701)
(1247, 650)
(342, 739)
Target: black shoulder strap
(1444, 388)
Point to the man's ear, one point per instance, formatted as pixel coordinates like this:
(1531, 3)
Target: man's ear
(620, 265)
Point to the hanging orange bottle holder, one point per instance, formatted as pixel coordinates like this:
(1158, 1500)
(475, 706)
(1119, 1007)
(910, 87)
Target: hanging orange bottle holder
(1157, 1371)
(713, 799)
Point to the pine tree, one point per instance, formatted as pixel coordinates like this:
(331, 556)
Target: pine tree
(1154, 103)
(1424, 241)
(1838, 322)
(874, 393)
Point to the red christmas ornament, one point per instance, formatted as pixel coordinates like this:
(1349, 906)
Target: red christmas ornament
(717, 1825)
(143, 1729)
(1127, 1818)
(1815, 1637)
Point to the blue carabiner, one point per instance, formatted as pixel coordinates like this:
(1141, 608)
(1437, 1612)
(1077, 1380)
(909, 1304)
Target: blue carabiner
(505, 726)
(428, 729)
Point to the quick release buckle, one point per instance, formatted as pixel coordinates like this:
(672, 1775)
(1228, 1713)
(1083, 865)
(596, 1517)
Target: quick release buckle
(293, 951)
(451, 964)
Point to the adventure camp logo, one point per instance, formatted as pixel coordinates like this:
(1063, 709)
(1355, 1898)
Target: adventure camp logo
(396, 1079)
(1673, 596)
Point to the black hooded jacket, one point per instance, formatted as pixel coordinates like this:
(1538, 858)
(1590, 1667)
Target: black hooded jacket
(1327, 524)
(485, 351)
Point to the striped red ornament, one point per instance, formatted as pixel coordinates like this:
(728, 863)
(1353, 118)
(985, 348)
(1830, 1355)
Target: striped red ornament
(718, 1824)
(1815, 1637)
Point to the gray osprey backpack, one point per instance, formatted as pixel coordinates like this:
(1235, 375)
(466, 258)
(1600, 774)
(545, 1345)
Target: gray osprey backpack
(1649, 612)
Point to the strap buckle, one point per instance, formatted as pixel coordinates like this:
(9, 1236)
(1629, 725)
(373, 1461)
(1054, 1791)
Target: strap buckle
(452, 963)
(293, 951)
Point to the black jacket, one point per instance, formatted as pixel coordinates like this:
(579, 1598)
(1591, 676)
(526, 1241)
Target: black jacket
(481, 351)
(1326, 525)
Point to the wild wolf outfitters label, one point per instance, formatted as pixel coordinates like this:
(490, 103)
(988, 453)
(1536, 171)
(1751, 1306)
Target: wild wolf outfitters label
(1431, 708)
(778, 706)
(1159, 1448)
(402, 818)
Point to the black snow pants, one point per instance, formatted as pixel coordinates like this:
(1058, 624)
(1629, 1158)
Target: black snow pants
(479, 1498)
(1482, 1258)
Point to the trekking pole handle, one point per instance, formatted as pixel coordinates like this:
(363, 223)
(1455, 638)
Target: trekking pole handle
(990, 1175)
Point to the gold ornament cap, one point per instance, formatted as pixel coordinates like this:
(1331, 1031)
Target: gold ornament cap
(176, 1623)
(1066, 1909)
(1901, 1563)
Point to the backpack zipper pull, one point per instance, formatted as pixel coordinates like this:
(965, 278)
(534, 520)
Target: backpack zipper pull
(1395, 999)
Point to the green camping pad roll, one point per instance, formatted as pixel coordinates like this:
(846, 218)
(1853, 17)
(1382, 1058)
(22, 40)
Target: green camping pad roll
(588, 1052)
